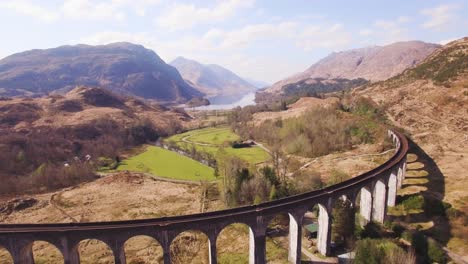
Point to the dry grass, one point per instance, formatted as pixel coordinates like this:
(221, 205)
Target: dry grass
(190, 247)
(93, 251)
(5, 256)
(114, 197)
(232, 240)
(143, 249)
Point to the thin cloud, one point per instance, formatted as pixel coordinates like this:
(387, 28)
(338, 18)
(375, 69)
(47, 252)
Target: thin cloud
(386, 31)
(85, 9)
(440, 17)
(79, 9)
(186, 16)
(31, 9)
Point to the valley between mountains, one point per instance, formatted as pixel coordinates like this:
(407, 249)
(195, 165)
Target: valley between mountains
(112, 132)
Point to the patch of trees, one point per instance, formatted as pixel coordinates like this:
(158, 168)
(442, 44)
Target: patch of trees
(102, 98)
(313, 87)
(12, 114)
(372, 251)
(47, 158)
(244, 184)
(316, 133)
(192, 152)
(382, 244)
(278, 102)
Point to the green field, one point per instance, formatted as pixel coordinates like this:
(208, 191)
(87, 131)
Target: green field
(216, 137)
(168, 164)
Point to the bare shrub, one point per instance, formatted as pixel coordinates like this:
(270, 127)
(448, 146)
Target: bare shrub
(398, 256)
(254, 191)
(189, 246)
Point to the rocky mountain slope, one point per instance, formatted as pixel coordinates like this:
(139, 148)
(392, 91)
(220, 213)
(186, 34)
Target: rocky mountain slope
(219, 84)
(370, 63)
(124, 68)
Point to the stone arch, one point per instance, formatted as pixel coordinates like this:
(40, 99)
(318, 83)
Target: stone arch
(45, 252)
(277, 237)
(238, 236)
(190, 246)
(5, 256)
(143, 249)
(379, 201)
(94, 251)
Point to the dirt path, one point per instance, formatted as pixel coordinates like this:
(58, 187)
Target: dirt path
(155, 177)
(54, 203)
(260, 145)
(185, 139)
(315, 259)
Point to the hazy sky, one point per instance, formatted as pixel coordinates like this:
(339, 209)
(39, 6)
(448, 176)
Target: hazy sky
(262, 39)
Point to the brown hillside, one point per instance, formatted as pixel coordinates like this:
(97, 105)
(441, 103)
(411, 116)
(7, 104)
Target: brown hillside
(430, 102)
(39, 136)
(80, 106)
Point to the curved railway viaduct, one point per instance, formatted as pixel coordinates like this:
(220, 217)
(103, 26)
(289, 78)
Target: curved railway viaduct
(375, 189)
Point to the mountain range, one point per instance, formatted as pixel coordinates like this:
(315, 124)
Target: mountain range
(124, 68)
(218, 83)
(131, 69)
(370, 63)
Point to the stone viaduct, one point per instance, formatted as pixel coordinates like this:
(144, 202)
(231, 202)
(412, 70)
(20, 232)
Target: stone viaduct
(375, 189)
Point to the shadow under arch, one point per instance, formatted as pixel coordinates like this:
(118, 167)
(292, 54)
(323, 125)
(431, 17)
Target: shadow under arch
(190, 246)
(143, 249)
(277, 238)
(45, 252)
(233, 243)
(5, 256)
(95, 251)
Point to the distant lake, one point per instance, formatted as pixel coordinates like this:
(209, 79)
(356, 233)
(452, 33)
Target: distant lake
(248, 99)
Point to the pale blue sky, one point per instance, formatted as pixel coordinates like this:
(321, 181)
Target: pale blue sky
(260, 39)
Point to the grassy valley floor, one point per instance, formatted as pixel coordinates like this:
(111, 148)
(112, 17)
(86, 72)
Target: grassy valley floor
(167, 164)
(210, 140)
